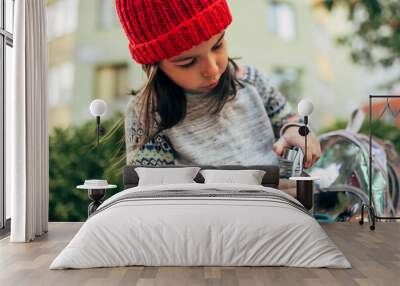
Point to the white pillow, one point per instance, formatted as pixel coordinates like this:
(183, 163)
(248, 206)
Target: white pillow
(163, 176)
(248, 177)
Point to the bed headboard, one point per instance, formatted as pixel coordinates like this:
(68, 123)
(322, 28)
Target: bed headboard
(271, 177)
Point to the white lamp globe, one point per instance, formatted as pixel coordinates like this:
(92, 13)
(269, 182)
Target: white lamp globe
(98, 107)
(305, 107)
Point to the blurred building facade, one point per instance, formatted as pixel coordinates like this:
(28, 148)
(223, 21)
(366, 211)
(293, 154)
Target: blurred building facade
(290, 40)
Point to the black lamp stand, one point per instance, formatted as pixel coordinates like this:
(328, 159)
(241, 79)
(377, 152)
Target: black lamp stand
(304, 187)
(99, 132)
(303, 131)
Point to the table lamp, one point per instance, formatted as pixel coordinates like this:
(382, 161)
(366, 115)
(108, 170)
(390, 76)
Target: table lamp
(98, 108)
(304, 183)
(305, 108)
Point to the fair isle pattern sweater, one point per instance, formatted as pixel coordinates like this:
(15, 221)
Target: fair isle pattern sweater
(242, 133)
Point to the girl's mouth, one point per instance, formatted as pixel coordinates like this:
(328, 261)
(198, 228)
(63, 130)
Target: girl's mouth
(213, 84)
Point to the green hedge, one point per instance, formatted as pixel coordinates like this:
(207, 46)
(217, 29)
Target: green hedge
(73, 158)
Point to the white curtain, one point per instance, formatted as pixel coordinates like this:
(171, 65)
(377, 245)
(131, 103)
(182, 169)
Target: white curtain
(26, 117)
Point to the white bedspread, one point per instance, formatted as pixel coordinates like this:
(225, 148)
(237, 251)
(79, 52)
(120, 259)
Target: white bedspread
(181, 231)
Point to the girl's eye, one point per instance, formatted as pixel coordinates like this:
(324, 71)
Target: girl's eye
(189, 64)
(194, 59)
(217, 46)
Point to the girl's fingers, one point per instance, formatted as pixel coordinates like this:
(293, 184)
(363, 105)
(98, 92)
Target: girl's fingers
(313, 150)
(312, 157)
(309, 155)
(278, 146)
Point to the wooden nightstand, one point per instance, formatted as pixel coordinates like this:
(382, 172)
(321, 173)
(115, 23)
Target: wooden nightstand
(305, 190)
(96, 191)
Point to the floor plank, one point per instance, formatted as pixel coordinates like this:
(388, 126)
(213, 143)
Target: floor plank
(374, 255)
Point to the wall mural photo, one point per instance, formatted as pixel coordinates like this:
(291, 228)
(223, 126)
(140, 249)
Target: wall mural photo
(225, 90)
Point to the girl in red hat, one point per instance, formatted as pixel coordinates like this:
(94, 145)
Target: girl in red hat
(198, 107)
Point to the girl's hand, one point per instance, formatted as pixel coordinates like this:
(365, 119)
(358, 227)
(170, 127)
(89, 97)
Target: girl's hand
(291, 137)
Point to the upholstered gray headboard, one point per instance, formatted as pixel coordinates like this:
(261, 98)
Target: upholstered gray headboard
(271, 177)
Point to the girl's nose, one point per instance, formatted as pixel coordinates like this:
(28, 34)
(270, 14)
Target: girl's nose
(210, 68)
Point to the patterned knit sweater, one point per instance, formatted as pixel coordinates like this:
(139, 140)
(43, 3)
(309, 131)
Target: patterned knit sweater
(242, 133)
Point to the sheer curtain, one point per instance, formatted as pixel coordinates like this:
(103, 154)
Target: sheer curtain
(26, 120)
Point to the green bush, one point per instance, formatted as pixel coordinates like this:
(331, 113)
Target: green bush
(366, 35)
(73, 158)
(383, 130)
(338, 124)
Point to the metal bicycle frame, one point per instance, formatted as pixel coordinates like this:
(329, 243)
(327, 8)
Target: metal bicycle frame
(370, 206)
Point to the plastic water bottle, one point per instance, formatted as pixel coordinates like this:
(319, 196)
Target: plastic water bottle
(291, 162)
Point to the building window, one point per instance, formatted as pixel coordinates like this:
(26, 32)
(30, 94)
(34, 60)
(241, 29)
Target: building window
(62, 17)
(6, 44)
(108, 17)
(112, 82)
(61, 84)
(281, 20)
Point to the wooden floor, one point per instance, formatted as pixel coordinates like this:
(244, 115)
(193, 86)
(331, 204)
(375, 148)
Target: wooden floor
(374, 255)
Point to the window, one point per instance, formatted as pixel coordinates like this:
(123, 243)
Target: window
(62, 17)
(61, 84)
(108, 17)
(281, 20)
(112, 82)
(6, 44)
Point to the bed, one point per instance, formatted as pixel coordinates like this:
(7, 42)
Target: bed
(198, 224)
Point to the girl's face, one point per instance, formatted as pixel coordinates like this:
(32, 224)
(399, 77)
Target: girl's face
(199, 69)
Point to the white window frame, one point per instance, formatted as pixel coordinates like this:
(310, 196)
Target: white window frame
(6, 39)
(274, 19)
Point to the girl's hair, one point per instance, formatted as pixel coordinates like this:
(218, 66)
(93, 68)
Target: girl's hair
(163, 103)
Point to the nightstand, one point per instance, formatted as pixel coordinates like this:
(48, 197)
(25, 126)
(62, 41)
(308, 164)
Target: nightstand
(96, 191)
(305, 190)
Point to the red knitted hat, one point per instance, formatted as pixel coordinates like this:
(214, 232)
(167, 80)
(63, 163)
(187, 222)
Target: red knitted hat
(159, 29)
